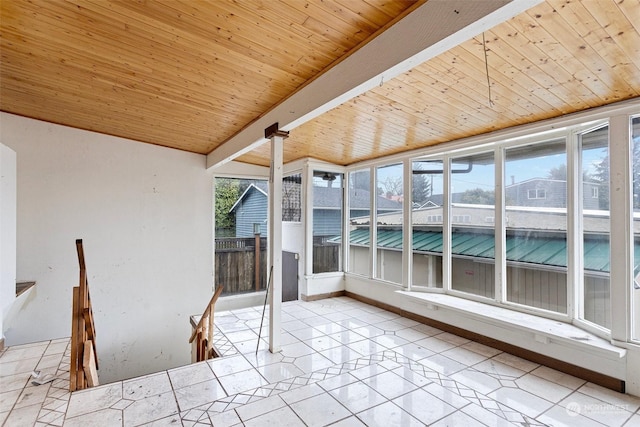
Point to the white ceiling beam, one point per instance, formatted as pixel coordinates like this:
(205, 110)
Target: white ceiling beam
(431, 29)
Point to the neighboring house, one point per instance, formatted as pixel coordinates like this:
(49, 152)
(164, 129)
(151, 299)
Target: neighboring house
(550, 193)
(251, 208)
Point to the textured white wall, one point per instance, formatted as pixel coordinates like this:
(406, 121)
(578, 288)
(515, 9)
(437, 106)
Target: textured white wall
(7, 231)
(145, 215)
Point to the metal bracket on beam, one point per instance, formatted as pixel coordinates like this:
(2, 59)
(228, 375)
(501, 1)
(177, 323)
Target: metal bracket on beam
(273, 130)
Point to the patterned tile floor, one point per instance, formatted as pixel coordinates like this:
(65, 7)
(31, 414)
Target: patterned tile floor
(343, 363)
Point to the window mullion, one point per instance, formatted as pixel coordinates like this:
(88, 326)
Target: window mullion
(575, 302)
(620, 194)
(500, 229)
(446, 224)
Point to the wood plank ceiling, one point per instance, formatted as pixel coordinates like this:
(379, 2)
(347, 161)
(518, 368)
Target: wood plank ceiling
(190, 74)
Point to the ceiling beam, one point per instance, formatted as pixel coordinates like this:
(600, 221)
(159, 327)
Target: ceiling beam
(431, 29)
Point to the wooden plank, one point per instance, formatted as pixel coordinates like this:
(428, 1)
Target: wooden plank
(74, 365)
(89, 365)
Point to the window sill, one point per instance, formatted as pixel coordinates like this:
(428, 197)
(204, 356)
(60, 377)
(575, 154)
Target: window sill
(544, 330)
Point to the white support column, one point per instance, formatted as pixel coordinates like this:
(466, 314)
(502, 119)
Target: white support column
(620, 194)
(275, 234)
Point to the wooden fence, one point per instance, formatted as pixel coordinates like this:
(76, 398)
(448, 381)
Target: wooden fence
(326, 254)
(235, 264)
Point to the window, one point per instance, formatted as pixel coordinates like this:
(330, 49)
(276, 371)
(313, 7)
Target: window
(291, 198)
(594, 158)
(472, 245)
(359, 221)
(635, 286)
(536, 238)
(543, 179)
(240, 210)
(327, 222)
(537, 193)
(427, 199)
(389, 187)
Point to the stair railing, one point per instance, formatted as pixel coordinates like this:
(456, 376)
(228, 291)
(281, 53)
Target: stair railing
(84, 358)
(203, 332)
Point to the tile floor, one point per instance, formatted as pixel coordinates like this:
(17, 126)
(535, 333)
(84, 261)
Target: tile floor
(343, 363)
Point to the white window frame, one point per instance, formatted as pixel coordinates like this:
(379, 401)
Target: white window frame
(621, 273)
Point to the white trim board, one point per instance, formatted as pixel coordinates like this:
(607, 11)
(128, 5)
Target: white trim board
(540, 332)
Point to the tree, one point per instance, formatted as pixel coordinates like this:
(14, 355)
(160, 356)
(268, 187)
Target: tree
(601, 176)
(227, 193)
(478, 196)
(558, 172)
(392, 185)
(421, 186)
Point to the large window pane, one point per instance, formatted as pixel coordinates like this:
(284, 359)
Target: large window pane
(241, 234)
(536, 225)
(472, 224)
(327, 222)
(596, 226)
(360, 221)
(389, 223)
(426, 202)
(635, 286)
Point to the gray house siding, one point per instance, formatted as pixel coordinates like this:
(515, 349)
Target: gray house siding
(547, 193)
(251, 209)
(327, 222)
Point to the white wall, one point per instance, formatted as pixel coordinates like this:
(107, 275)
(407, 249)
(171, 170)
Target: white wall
(7, 231)
(145, 215)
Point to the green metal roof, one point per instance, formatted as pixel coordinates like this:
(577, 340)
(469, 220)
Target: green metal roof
(543, 250)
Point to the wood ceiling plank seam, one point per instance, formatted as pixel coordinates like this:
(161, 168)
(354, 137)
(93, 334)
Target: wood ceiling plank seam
(143, 135)
(144, 117)
(558, 54)
(94, 74)
(125, 76)
(369, 120)
(523, 85)
(351, 18)
(502, 58)
(335, 27)
(116, 105)
(366, 135)
(521, 41)
(269, 39)
(373, 16)
(590, 31)
(591, 59)
(438, 83)
(222, 54)
(302, 34)
(110, 59)
(622, 32)
(392, 8)
(630, 10)
(475, 61)
(431, 113)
